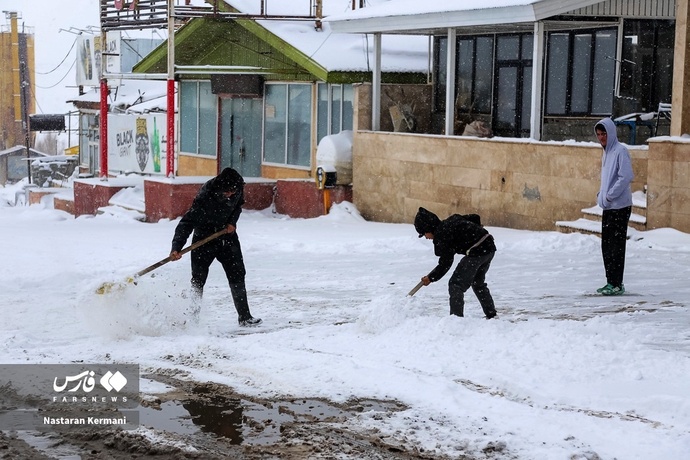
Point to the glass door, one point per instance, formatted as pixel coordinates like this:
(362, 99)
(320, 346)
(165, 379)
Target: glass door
(240, 135)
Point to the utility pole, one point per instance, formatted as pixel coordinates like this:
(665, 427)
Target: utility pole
(25, 112)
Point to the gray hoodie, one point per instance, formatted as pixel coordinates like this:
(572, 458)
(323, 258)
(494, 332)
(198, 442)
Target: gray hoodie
(616, 171)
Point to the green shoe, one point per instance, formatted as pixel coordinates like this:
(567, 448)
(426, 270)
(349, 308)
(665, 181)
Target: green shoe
(614, 290)
(604, 288)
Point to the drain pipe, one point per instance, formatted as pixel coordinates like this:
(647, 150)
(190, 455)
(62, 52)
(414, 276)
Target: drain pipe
(103, 128)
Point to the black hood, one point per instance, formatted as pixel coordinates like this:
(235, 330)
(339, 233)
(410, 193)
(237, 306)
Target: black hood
(426, 222)
(227, 180)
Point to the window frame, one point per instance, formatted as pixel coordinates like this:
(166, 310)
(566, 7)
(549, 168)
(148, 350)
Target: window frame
(597, 71)
(203, 136)
(287, 155)
(325, 109)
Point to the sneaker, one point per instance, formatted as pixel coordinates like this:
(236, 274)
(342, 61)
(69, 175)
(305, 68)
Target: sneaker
(604, 288)
(250, 322)
(614, 290)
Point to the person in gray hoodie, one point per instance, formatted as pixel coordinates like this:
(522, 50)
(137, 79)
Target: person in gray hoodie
(615, 198)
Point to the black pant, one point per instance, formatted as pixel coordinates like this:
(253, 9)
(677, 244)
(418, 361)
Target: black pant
(471, 272)
(614, 234)
(227, 250)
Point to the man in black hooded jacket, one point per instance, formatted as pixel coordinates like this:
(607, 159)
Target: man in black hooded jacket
(217, 206)
(459, 234)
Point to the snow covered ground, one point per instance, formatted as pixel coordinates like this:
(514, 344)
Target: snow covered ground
(562, 374)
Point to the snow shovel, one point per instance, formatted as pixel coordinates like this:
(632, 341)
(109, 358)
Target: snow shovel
(108, 287)
(415, 289)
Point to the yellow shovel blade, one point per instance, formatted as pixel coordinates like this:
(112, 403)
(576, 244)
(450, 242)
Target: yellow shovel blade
(107, 288)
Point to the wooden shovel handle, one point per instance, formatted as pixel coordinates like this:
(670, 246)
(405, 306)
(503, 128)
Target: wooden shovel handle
(415, 289)
(183, 251)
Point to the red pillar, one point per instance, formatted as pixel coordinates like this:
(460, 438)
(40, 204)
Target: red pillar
(170, 163)
(104, 130)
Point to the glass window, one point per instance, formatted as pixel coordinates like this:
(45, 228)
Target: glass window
(474, 74)
(581, 72)
(526, 101)
(527, 47)
(557, 74)
(208, 119)
(604, 74)
(484, 74)
(440, 74)
(198, 118)
(299, 125)
(581, 83)
(508, 48)
(275, 116)
(335, 109)
(287, 119)
(647, 65)
(506, 111)
(465, 74)
(189, 116)
(336, 99)
(322, 111)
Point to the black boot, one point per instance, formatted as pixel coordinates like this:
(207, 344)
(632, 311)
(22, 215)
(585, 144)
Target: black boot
(239, 297)
(194, 307)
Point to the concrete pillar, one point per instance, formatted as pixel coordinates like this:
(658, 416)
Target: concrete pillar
(680, 116)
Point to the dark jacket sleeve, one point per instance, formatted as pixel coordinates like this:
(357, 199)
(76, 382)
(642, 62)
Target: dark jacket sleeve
(445, 261)
(186, 226)
(238, 201)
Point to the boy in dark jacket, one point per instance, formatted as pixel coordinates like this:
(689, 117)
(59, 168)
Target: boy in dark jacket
(217, 206)
(459, 234)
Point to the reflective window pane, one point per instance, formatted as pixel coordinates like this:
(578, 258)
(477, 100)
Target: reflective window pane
(604, 75)
(189, 116)
(208, 120)
(299, 125)
(581, 82)
(275, 123)
(557, 74)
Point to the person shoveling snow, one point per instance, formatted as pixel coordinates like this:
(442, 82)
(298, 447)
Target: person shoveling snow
(217, 206)
(459, 234)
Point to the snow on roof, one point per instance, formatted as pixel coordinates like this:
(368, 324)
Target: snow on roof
(20, 148)
(339, 52)
(125, 94)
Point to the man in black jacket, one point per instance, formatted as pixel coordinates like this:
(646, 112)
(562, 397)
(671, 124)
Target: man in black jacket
(459, 234)
(217, 206)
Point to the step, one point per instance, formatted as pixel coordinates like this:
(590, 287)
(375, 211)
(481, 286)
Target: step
(122, 212)
(583, 225)
(637, 221)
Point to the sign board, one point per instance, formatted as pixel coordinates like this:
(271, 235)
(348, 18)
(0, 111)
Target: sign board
(88, 60)
(112, 53)
(47, 122)
(137, 143)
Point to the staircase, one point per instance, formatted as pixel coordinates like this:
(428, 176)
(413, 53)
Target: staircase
(591, 220)
(128, 203)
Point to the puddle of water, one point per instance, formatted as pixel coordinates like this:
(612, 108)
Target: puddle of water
(48, 446)
(171, 417)
(241, 421)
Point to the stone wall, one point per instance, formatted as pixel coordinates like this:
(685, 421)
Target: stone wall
(668, 196)
(510, 183)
